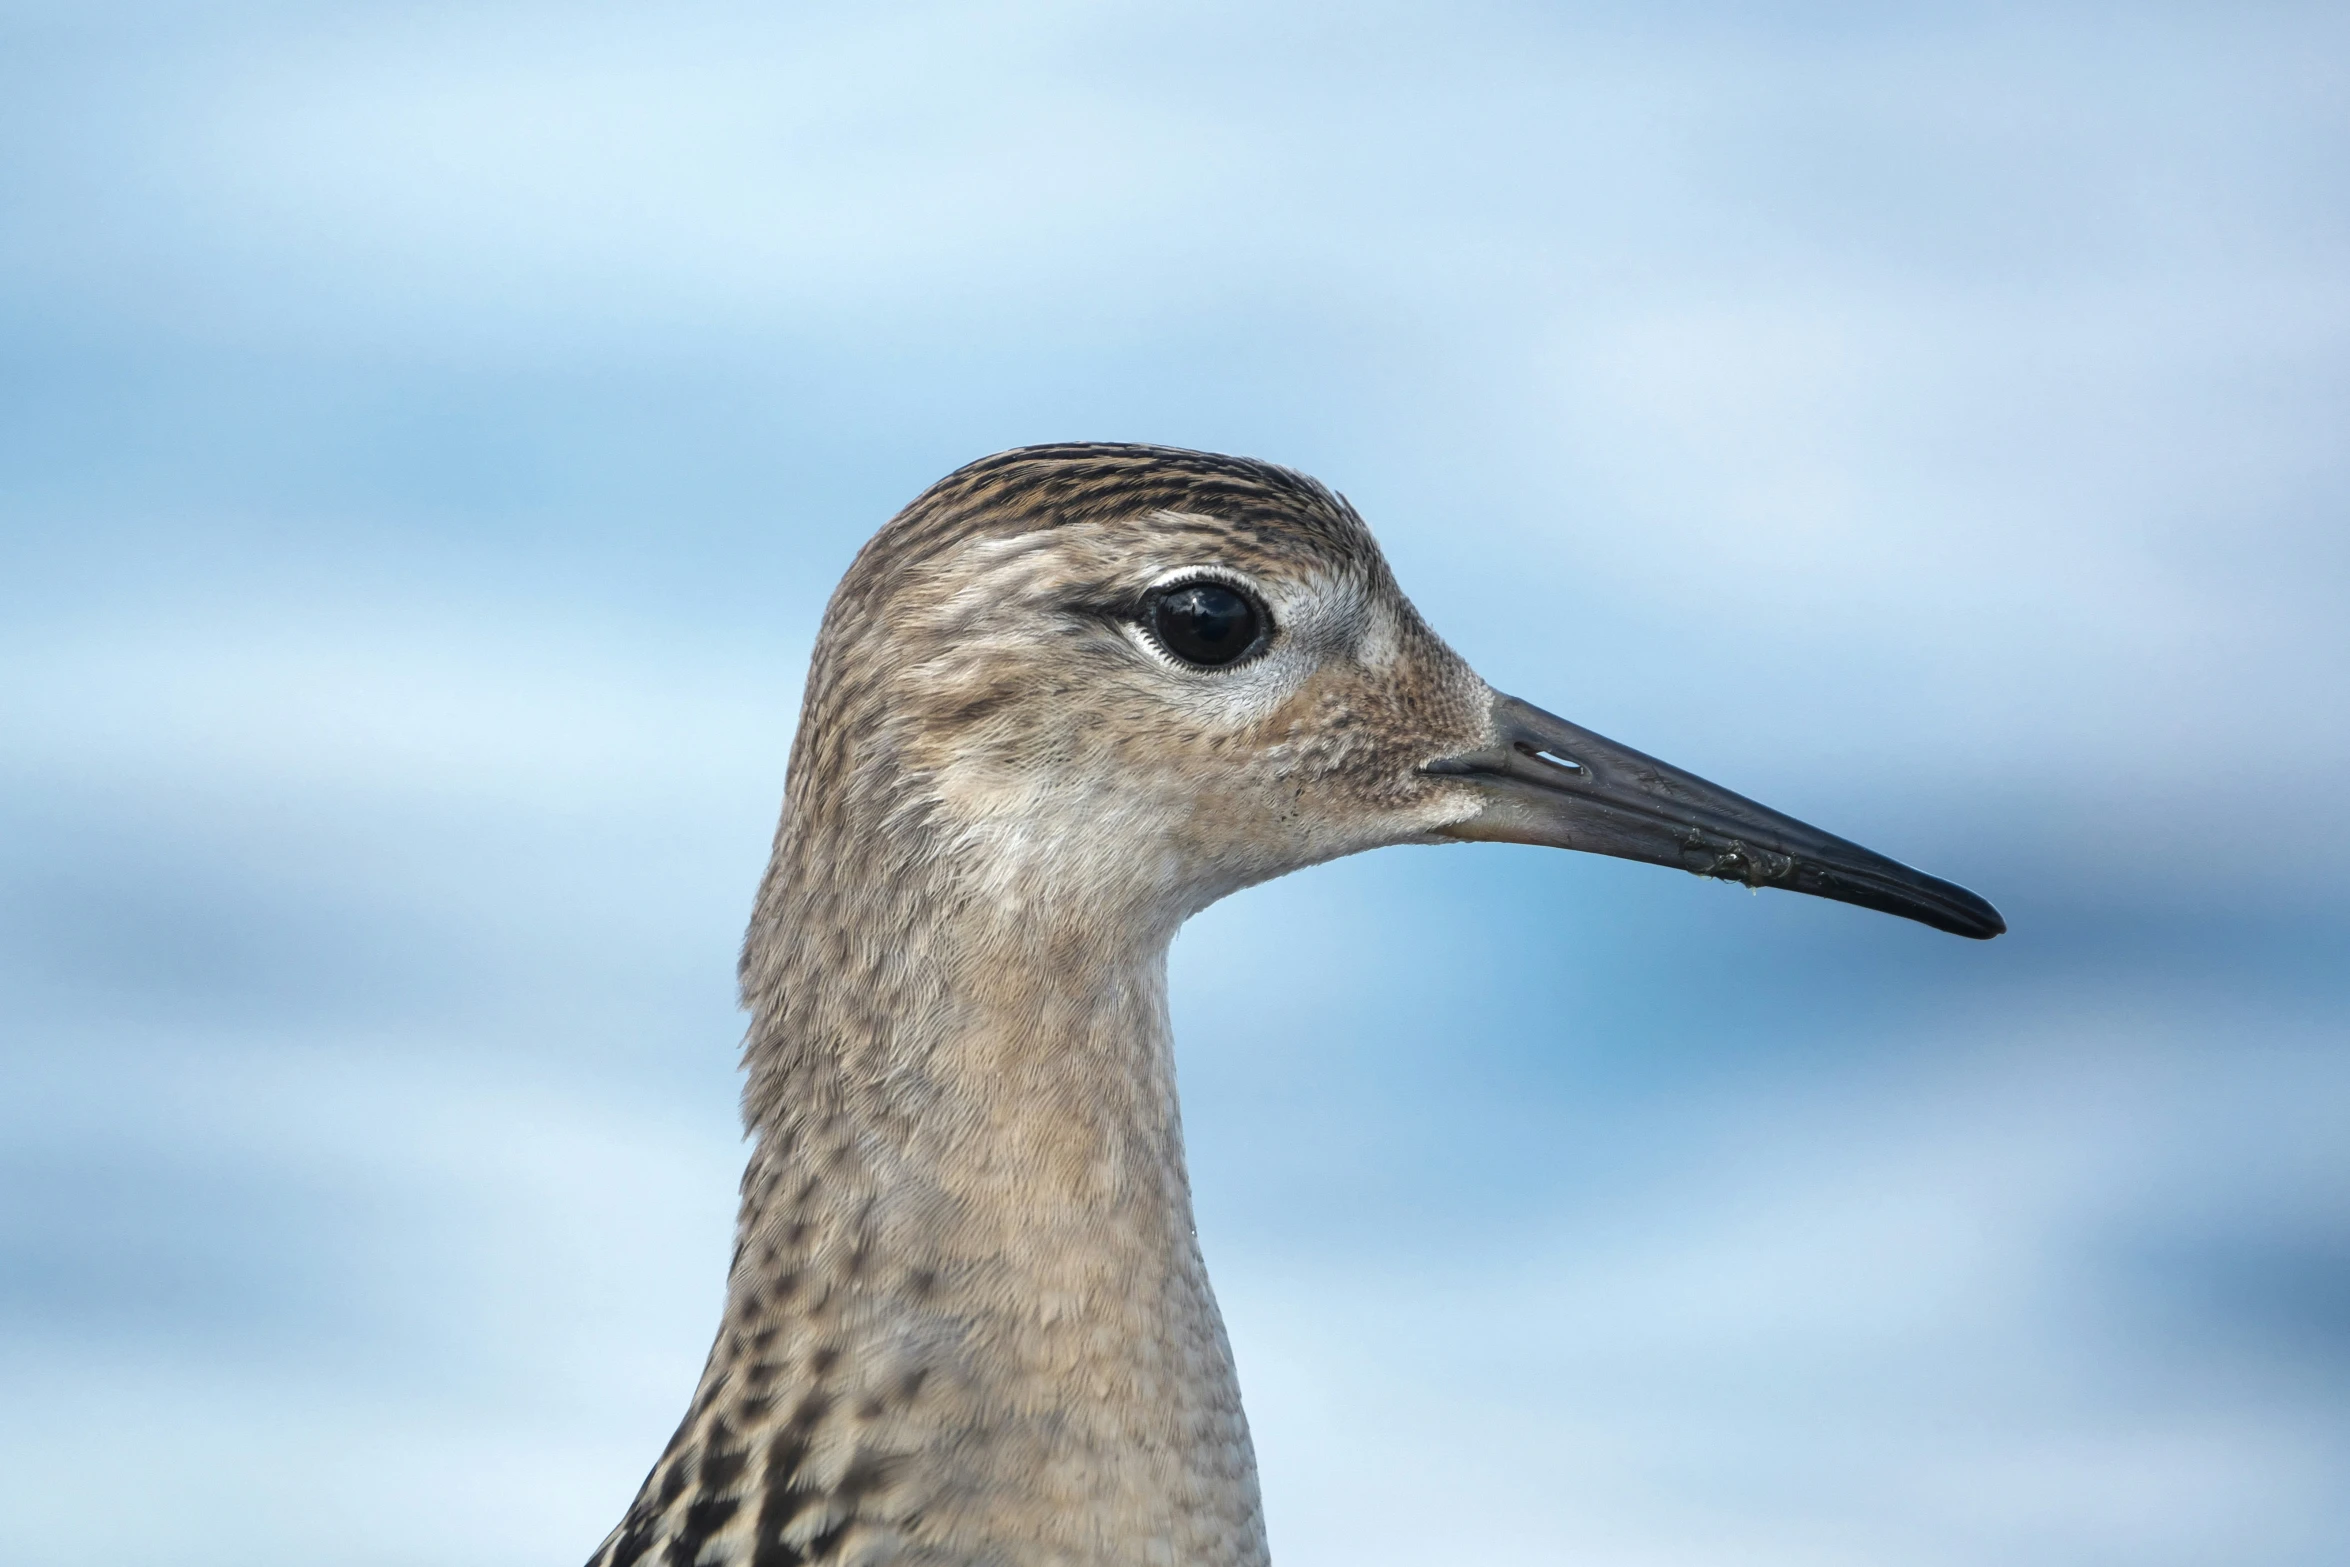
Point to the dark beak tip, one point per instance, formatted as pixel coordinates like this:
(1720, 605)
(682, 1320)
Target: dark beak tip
(1971, 929)
(1961, 913)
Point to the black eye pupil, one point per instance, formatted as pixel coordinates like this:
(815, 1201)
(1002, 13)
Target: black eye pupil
(1205, 623)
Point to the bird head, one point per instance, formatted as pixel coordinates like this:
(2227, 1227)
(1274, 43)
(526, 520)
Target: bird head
(1118, 682)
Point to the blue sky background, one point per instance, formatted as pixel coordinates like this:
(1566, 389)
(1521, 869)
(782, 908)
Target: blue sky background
(428, 435)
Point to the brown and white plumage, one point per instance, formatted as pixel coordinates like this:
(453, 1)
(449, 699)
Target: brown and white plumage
(967, 1321)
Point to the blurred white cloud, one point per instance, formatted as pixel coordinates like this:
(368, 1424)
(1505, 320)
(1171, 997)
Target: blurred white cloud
(1874, 1347)
(371, 699)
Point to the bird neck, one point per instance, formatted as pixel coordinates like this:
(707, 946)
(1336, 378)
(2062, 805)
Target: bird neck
(967, 1315)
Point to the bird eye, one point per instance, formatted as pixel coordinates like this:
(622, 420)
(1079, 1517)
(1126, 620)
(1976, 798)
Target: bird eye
(1206, 623)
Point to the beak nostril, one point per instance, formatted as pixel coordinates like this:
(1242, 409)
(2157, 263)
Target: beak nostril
(1549, 758)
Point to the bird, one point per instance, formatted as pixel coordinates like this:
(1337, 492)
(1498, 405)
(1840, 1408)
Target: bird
(1068, 697)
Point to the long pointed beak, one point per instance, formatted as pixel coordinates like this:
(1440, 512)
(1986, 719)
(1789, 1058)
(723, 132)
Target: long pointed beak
(1550, 782)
